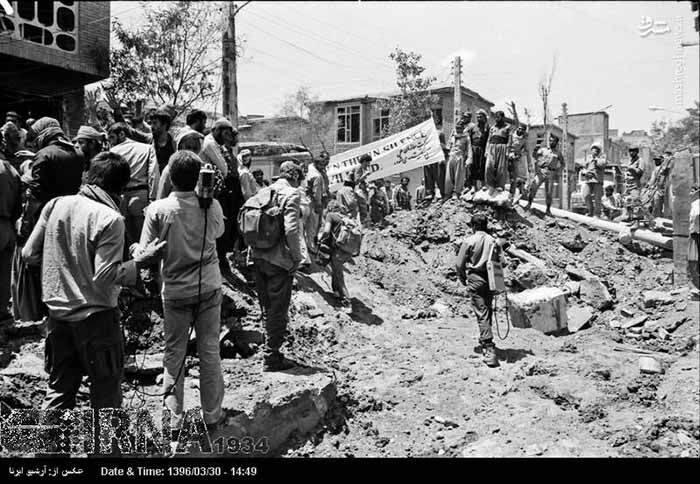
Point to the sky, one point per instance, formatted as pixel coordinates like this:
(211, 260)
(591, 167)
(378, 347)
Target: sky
(607, 53)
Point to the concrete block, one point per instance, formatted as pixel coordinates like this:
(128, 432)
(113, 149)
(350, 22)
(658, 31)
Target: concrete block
(543, 308)
(649, 365)
(594, 293)
(627, 312)
(578, 317)
(529, 276)
(578, 274)
(151, 365)
(656, 298)
(634, 322)
(573, 287)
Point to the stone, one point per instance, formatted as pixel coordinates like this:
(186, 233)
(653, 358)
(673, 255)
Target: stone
(543, 308)
(529, 276)
(151, 365)
(656, 298)
(649, 365)
(578, 317)
(634, 322)
(315, 313)
(594, 293)
(440, 309)
(573, 287)
(627, 312)
(614, 323)
(663, 334)
(578, 274)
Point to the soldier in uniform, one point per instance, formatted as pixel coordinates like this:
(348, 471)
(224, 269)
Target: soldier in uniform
(593, 171)
(633, 186)
(548, 164)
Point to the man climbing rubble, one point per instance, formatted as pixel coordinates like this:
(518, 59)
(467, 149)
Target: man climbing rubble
(471, 270)
(275, 268)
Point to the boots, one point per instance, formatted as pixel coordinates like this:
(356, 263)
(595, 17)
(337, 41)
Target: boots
(277, 362)
(490, 357)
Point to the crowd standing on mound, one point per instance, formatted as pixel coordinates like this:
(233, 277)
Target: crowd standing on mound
(130, 203)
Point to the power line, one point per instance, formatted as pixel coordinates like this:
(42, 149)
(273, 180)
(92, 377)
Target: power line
(313, 36)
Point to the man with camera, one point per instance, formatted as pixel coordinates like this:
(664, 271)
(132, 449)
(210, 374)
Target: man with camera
(191, 290)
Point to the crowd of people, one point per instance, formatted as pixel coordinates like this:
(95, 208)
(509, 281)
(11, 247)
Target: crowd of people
(134, 203)
(127, 205)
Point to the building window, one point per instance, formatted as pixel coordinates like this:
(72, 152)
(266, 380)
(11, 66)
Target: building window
(348, 124)
(380, 124)
(53, 24)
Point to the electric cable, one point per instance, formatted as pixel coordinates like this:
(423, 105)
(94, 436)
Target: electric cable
(195, 315)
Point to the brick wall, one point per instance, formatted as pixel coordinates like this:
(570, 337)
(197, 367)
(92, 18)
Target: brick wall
(92, 52)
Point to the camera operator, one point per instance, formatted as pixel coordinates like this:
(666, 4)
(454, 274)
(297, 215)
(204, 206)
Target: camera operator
(191, 283)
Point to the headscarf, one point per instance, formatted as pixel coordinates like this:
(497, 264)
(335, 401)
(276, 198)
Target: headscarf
(99, 195)
(45, 129)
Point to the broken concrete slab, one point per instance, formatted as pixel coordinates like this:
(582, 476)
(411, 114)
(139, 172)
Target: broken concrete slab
(529, 276)
(578, 274)
(594, 293)
(578, 317)
(634, 322)
(573, 288)
(271, 406)
(543, 308)
(656, 298)
(650, 365)
(627, 312)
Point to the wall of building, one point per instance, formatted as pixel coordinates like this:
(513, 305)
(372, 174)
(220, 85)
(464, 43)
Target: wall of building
(91, 37)
(588, 128)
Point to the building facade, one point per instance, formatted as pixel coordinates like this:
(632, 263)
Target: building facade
(360, 120)
(49, 50)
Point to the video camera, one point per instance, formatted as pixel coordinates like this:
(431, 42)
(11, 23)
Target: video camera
(205, 186)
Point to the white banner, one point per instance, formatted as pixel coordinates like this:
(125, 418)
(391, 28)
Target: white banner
(398, 153)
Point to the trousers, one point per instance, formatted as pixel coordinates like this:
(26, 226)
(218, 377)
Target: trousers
(593, 195)
(132, 206)
(430, 175)
(455, 176)
(7, 248)
(92, 347)
(274, 286)
(178, 315)
(482, 303)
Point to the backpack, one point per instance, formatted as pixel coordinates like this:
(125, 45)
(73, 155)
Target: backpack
(260, 220)
(348, 236)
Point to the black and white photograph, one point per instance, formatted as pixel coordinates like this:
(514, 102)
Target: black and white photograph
(243, 239)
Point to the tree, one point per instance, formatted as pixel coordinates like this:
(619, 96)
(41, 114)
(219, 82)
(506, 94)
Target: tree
(172, 58)
(684, 133)
(545, 90)
(414, 102)
(298, 103)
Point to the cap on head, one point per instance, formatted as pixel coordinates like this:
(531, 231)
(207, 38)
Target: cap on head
(596, 145)
(633, 148)
(245, 152)
(222, 123)
(289, 168)
(88, 132)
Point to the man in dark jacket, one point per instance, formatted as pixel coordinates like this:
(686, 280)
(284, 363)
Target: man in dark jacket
(57, 170)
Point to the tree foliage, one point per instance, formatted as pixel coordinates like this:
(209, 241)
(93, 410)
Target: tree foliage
(414, 102)
(171, 59)
(685, 133)
(298, 103)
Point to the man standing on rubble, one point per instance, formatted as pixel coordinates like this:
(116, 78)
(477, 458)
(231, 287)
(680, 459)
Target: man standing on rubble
(401, 195)
(191, 290)
(593, 172)
(472, 272)
(633, 186)
(79, 244)
(548, 164)
(519, 161)
(657, 184)
(145, 175)
(460, 157)
(275, 268)
(316, 190)
(478, 135)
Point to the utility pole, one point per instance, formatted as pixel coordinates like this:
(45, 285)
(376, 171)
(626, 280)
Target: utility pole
(229, 81)
(457, 71)
(565, 154)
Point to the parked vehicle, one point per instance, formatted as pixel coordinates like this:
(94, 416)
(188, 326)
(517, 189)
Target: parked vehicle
(269, 155)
